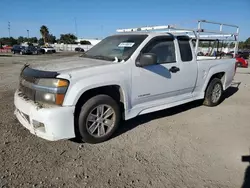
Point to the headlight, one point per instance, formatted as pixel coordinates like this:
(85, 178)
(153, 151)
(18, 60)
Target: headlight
(53, 83)
(51, 90)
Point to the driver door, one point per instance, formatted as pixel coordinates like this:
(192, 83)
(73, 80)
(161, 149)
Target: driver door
(162, 82)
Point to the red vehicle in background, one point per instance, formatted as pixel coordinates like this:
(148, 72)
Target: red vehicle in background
(5, 49)
(241, 62)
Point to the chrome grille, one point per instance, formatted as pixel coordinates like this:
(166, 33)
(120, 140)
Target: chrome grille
(27, 92)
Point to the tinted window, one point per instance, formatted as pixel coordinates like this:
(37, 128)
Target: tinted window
(185, 50)
(164, 50)
(16, 47)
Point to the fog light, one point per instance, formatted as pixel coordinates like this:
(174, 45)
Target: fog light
(49, 97)
(37, 124)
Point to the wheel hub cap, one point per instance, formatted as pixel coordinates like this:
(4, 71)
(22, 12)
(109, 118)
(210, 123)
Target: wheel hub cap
(216, 93)
(100, 120)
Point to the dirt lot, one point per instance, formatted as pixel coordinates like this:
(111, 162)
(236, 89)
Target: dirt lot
(187, 146)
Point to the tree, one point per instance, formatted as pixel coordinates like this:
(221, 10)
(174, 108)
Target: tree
(32, 40)
(247, 43)
(44, 32)
(85, 42)
(41, 42)
(51, 38)
(20, 40)
(231, 45)
(10, 41)
(241, 45)
(68, 38)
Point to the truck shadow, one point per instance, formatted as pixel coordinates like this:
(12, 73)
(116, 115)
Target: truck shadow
(230, 91)
(246, 183)
(133, 123)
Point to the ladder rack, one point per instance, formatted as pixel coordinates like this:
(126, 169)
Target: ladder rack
(198, 34)
(173, 29)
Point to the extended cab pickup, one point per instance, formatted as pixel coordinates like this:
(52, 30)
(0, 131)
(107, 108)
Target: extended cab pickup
(123, 76)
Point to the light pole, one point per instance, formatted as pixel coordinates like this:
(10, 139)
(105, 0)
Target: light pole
(28, 32)
(76, 28)
(9, 28)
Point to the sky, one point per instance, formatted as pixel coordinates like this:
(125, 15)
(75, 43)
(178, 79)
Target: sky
(99, 18)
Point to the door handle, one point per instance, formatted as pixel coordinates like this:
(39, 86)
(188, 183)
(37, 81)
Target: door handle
(174, 69)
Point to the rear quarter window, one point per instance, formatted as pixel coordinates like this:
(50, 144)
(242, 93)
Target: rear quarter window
(185, 49)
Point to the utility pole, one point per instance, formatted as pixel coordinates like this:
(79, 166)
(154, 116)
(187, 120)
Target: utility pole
(76, 28)
(102, 34)
(28, 32)
(9, 28)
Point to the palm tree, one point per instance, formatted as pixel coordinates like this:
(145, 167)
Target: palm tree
(44, 32)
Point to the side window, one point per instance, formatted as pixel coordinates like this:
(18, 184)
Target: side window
(185, 50)
(164, 50)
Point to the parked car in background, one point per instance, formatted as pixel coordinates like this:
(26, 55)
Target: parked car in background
(25, 50)
(16, 49)
(79, 49)
(243, 54)
(48, 49)
(241, 62)
(22, 50)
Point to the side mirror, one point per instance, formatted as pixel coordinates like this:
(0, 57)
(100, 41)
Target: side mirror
(147, 59)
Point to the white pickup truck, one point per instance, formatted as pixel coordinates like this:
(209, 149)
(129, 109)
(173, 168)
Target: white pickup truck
(123, 76)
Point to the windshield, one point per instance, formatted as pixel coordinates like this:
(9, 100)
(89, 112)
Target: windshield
(115, 48)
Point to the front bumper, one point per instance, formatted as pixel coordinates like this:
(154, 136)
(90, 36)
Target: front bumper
(53, 123)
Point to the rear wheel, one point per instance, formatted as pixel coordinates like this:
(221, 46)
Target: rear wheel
(98, 119)
(213, 93)
(43, 51)
(239, 64)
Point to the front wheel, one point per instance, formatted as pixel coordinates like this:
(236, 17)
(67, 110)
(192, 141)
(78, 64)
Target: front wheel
(213, 93)
(98, 119)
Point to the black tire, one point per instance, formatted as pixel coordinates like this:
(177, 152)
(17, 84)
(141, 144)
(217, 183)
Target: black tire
(43, 51)
(87, 108)
(239, 64)
(208, 95)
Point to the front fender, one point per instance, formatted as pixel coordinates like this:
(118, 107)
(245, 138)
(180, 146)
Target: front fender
(76, 90)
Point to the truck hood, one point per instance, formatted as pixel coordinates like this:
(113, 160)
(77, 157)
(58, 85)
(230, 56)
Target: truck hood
(69, 64)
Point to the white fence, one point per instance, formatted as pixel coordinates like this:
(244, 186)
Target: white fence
(205, 50)
(70, 47)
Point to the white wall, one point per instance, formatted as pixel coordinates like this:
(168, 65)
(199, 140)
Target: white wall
(92, 41)
(70, 47)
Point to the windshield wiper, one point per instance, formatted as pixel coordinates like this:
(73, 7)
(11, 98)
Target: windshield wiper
(102, 57)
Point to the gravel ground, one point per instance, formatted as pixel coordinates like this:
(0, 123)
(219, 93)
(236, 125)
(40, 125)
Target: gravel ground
(186, 146)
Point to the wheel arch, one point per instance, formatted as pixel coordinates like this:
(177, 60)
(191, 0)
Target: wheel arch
(220, 75)
(115, 91)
